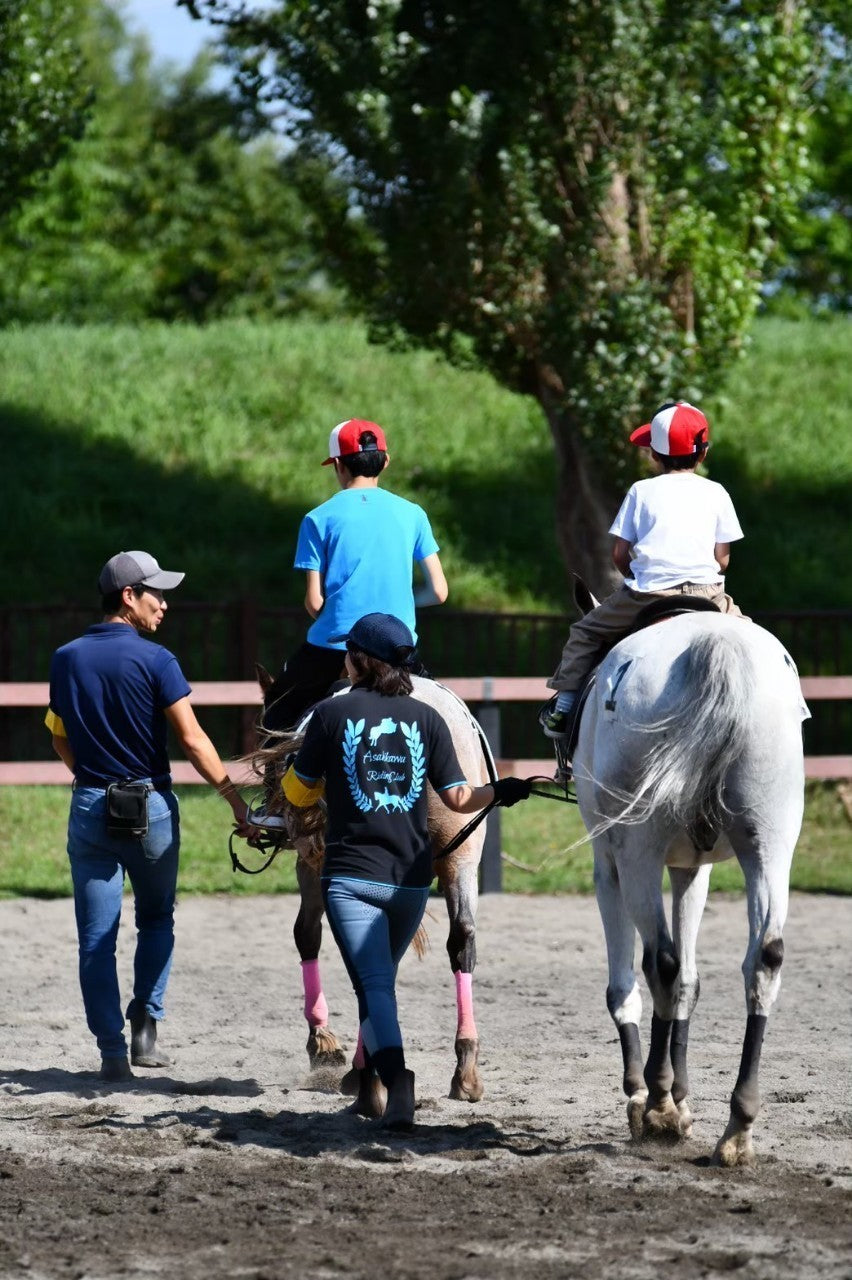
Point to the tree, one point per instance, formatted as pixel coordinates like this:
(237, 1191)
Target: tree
(42, 97)
(165, 208)
(580, 196)
(818, 265)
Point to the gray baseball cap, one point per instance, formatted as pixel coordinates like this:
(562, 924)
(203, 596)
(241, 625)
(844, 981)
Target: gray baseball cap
(130, 568)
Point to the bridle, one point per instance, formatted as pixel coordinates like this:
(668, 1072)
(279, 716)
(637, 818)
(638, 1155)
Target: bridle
(267, 840)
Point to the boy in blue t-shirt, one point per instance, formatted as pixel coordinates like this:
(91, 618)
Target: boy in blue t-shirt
(357, 551)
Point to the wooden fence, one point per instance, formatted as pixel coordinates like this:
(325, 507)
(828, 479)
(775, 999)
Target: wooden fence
(484, 694)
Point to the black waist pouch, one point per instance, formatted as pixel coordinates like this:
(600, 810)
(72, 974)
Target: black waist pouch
(127, 808)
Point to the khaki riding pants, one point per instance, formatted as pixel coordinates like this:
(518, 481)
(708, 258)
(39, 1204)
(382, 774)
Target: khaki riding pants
(611, 621)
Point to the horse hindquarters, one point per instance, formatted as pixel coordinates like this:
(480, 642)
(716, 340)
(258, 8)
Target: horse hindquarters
(693, 732)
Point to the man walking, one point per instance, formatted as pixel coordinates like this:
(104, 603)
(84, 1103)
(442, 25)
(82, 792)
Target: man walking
(113, 695)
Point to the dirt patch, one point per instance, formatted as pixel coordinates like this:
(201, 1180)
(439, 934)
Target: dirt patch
(237, 1161)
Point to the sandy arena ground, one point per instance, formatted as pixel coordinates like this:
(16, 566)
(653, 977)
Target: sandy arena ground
(236, 1161)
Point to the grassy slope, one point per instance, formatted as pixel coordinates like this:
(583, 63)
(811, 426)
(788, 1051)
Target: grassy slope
(204, 445)
(783, 448)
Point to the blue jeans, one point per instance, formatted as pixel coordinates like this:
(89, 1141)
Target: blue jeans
(373, 925)
(98, 865)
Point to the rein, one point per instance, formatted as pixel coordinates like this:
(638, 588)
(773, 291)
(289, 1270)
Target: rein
(261, 842)
(471, 826)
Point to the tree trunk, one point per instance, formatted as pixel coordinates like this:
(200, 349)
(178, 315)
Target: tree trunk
(585, 507)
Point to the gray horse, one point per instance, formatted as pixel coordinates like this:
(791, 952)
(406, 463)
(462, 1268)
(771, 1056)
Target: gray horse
(690, 752)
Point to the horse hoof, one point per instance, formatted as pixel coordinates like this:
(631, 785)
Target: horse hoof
(635, 1113)
(372, 1096)
(467, 1084)
(685, 1119)
(466, 1088)
(661, 1122)
(324, 1049)
(734, 1149)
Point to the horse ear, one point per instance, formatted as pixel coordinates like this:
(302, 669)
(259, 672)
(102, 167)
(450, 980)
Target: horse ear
(264, 679)
(583, 597)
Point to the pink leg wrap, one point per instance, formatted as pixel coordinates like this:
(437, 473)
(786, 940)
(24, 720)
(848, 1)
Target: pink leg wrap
(464, 1002)
(316, 1009)
(358, 1057)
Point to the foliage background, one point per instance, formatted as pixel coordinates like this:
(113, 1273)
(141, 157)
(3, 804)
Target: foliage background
(167, 207)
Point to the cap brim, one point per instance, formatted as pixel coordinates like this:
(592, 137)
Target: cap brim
(164, 580)
(642, 435)
(327, 462)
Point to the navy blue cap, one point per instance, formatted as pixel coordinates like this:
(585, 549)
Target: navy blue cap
(382, 636)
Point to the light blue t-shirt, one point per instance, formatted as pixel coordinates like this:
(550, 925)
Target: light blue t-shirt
(363, 542)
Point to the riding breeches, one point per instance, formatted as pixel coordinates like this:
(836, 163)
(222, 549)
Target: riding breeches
(594, 634)
(373, 925)
(304, 680)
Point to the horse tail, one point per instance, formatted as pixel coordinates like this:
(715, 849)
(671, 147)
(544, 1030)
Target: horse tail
(420, 942)
(701, 738)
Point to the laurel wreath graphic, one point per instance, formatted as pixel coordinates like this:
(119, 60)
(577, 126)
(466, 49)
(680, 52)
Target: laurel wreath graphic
(351, 738)
(418, 763)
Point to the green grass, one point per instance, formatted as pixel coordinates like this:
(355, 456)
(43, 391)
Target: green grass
(537, 835)
(204, 444)
(532, 833)
(783, 448)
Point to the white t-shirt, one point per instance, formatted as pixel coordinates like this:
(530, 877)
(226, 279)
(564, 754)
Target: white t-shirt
(673, 523)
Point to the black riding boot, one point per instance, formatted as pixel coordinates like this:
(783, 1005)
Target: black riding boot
(399, 1113)
(143, 1041)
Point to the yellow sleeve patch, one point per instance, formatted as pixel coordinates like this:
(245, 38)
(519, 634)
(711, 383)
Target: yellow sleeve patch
(54, 724)
(299, 793)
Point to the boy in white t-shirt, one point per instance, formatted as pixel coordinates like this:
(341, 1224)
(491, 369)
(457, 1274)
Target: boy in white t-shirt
(672, 537)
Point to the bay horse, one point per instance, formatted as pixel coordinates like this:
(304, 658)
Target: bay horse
(690, 752)
(458, 880)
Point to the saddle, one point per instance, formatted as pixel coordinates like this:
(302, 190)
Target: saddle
(656, 611)
(660, 610)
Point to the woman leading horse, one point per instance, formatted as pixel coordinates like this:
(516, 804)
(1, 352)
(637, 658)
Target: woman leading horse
(372, 753)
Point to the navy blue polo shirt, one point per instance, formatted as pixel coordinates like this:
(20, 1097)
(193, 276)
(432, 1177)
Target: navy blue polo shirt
(108, 692)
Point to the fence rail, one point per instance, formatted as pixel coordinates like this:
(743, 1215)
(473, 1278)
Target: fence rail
(484, 693)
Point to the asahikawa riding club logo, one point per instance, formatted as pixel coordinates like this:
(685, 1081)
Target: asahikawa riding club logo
(384, 766)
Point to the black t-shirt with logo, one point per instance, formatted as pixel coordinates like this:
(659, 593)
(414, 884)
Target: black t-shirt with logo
(376, 754)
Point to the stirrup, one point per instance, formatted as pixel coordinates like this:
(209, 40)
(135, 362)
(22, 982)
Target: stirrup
(564, 768)
(257, 816)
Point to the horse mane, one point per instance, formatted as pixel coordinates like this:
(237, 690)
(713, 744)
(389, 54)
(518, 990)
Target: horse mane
(269, 763)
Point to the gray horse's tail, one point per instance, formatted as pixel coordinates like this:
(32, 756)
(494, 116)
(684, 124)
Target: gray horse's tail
(700, 738)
